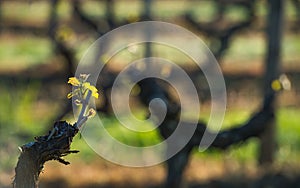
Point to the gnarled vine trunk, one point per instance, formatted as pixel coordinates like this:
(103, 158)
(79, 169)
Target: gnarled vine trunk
(52, 146)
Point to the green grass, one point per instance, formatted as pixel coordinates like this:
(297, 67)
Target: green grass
(22, 52)
(19, 110)
(203, 10)
(288, 135)
(288, 138)
(21, 115)
(32, 12)
(291, 48)
(251, 49)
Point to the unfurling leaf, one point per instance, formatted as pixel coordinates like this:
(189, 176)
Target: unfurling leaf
(282, 83)
(70, 95)
(276, 85)
(92, 88)
(91, 113)
(74, 81)
(83, 86)
(83, 77)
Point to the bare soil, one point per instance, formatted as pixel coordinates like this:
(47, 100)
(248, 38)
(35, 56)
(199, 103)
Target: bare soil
(207, 173)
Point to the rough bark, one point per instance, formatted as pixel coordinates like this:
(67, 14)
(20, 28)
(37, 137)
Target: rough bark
(274, 35)
(53, 146)
(254, 127)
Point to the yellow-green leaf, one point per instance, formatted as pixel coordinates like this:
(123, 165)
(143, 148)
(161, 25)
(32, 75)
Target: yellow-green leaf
(276, 85)
(70, 95)
(92, 88)
(74, 81)
(96, 95)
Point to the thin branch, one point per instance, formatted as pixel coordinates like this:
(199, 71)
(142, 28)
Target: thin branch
(82, 118)
(219, 29)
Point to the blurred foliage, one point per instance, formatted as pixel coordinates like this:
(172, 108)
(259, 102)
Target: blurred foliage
(22, 52)
(25, 113)
(35, 49)
(22, 116)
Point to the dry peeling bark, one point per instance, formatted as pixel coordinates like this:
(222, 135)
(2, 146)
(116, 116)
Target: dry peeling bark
(53, 146)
